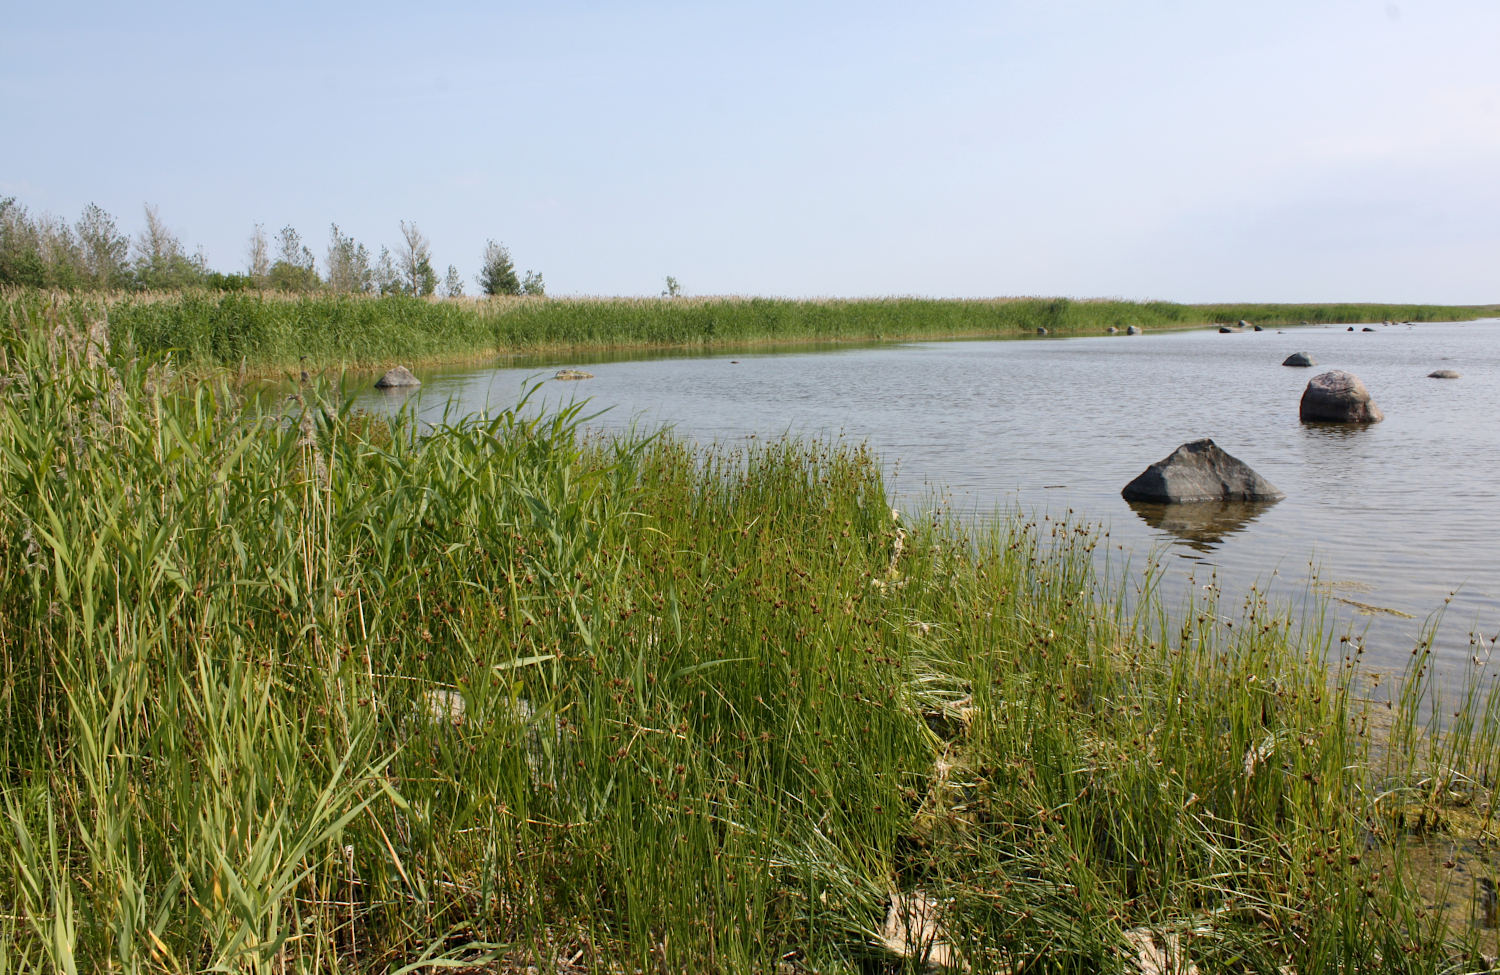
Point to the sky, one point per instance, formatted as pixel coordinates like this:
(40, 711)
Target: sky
(1258, 150)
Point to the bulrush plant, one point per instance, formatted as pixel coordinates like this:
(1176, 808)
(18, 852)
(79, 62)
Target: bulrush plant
(293, 689)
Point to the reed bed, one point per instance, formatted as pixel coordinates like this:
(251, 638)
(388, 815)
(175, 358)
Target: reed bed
(302, 691)
(267, 331)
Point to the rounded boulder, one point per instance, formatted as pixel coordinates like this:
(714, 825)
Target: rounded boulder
(396, 378)
(1338, 397)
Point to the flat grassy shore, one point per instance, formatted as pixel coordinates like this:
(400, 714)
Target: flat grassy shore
(269, 333)
(303, 691)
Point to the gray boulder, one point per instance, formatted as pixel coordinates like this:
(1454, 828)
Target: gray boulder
(1133, 330)
(1244, 324)
(1338, 397)
(1225, 330)
(1257, 328)
(396, 378)
(1040, 330)
(1299, 359)
(1443, 374)
(1199, 471)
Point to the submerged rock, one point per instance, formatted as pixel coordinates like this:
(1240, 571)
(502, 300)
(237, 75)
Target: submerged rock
(1244, 324)
(1338, 397)
(1200, 471)
(1111, 330)
(396, 378)
(1225, 330)
(1133, 330)
(1442, 374)
(571, 374)
(1299, 359)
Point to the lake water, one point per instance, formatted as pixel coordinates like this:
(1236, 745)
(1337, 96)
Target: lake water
(1396, 517)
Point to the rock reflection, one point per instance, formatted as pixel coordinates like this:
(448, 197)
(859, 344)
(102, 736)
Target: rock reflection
(1201, 525)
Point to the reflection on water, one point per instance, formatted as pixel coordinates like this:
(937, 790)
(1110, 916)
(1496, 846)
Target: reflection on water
(1201, 525)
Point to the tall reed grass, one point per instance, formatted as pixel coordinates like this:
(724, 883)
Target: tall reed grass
(304, 691)
(274, 331)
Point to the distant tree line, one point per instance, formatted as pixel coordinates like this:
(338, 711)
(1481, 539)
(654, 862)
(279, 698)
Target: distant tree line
(93, 254)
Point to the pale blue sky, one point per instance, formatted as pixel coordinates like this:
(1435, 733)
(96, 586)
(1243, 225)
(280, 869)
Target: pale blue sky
(1267, 150)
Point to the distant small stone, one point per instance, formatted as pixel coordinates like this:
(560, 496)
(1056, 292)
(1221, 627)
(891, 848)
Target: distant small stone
(1338, 397)
(1442, 374)
(1349, 329)
(1244, 324)
(1257, 328)
(1133, 330)
(1367, 329)
(571, 374)
(1111, 330)
(1199, 471)
(1225, 330)
(396, 378)
(1299, 359)
(1040, 330)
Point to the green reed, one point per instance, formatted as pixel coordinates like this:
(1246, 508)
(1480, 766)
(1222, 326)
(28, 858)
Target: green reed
(300, 690)
(268, 331)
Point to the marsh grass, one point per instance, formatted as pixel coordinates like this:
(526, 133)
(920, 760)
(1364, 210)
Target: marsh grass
(297, 690)
(267, 332)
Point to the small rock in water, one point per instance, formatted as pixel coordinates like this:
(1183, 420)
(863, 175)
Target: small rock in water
(1111, 330)
(396, 378)
(1299, 359)
(1040, 330)
(1442, 374)
(570, 374)
(1200, 471)
(1349, 329)
(1225, 330)
(1257, 328)
(1338, 397)
(1133, 330)
(1367, 329)
(1244, 324)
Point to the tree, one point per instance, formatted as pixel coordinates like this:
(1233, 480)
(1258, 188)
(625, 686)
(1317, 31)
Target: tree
(348, 264)
(295, 268)
(104, 249)
(674, 290)
(387, 279)
(498, 275)
(453, 283)
(259, 267)
(415, 261)
(532, 284)
(20, 248)
(160, 261)
(61, 256)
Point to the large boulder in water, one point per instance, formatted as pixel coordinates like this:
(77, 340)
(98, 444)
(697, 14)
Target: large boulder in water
(1200, 471)
(396, 378)
(1338, 397)
(1299, 359)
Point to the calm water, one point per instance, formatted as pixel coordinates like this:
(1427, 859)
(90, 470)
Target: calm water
(1395, 516)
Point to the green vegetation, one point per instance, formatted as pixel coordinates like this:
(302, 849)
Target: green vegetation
(270, 331)
(303, 691)
(94, 256)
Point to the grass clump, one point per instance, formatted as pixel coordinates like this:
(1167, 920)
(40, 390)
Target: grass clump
(300, 690)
